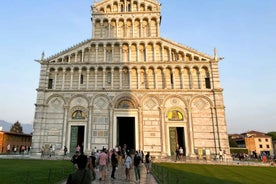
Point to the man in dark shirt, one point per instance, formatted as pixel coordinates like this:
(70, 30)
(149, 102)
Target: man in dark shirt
(137, 160)
(114, 163)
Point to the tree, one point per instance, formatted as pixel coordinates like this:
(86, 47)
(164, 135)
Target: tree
(272, 134)
(16, 128)
(233, 143)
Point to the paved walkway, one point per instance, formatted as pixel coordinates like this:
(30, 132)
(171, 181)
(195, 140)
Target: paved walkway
(121, 178)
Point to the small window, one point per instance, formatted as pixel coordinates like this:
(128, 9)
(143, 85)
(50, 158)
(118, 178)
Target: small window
(261, 146)
(142, 77)
(81, 79)
(171, 78)
(50, 84)
(207, 83)
(122, 8)
(266, 140)
(260, 140)
(109, 77)
(267, 146)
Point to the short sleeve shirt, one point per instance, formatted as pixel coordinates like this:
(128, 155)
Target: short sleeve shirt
(128, 162)
(103, 158)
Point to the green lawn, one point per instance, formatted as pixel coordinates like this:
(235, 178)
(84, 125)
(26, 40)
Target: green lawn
(26, 171)
(171, 173)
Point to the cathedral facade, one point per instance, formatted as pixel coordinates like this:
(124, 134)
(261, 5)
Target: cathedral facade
(127, 85)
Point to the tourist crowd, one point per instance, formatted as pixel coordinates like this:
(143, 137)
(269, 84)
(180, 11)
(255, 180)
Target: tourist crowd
(96, 164)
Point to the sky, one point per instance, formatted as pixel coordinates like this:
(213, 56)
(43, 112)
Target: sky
(243, 32)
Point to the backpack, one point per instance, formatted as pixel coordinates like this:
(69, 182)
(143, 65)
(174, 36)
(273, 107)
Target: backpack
(114, 160)
(147, 159)
(137, 160)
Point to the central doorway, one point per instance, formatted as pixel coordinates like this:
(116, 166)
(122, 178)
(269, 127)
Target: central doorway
(177, 139)
(126, 132)
(76, 138)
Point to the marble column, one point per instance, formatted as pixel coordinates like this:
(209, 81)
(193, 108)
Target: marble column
(55, 80)
(162, 128)
(120, 75)
(89, 128)
(87, 78)
(64, 129)
(63, 79)
(96, 76)
(71, 78)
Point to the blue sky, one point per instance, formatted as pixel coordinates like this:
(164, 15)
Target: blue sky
(244, 33)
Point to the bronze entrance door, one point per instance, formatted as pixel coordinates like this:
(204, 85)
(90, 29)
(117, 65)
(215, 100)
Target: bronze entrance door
(177, 139)
(76, 138)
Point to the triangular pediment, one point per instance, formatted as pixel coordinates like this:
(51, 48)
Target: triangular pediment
(68, 51)
(185, 49)
(174, 47)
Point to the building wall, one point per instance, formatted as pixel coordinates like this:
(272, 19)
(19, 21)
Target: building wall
(259, 144)
(14, 140)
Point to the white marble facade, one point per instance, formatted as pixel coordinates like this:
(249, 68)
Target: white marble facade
(127, 72)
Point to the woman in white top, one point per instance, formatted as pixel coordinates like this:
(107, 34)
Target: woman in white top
(127, 164)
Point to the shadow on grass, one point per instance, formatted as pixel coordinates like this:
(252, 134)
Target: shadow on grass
(174, 176)
(33, 171)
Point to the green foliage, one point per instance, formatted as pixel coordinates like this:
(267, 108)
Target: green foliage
(272, 134)
(238, 150)
(168, 173)
(233, 143)
(16, 128)
(34, 171)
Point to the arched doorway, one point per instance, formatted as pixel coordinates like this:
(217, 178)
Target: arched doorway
(77, 129)
(177, 139)
(176, 130)
(125, 126)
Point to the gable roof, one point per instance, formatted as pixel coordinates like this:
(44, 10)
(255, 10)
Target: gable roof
(164, 41)
(253, 133)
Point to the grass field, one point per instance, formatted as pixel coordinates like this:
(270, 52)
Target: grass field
(171, 173)
(26, 171)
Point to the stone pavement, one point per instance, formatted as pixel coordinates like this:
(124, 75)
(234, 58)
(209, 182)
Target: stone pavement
(121, 178)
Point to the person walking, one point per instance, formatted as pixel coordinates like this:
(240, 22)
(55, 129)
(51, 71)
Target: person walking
(148, 162)
(181, 152)
(74, 159)
(220, 155)
(127, 164)
(65, 151)
(137, 161)
(91, 166)
(177, 154)
(77, 149)
(103, 161)
(8, 148)
(114, 163)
